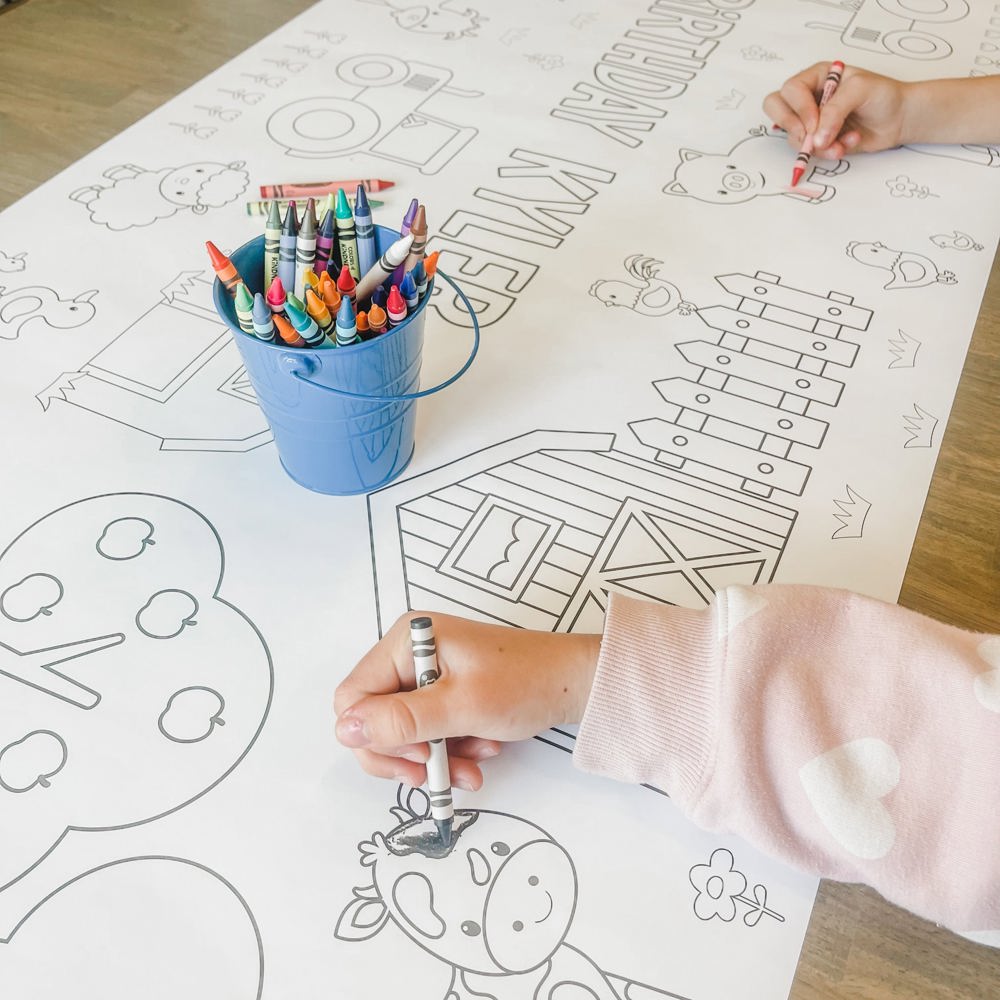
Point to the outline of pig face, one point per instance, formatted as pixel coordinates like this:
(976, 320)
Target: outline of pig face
(696, 177)
(500, 901)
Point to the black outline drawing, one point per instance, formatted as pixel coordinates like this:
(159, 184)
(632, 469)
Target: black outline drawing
(21, 306)
(43, 609)
(184, 622)
(907, 269)
(174, 373)
(143, 542)
(41, 779)
(214, 719)
(921, 426)
(651, 297)
(249, 97)
(444, 20)
(139, 197)
(853, 512)
(196, 129)
(266, 80)
(753, 167)
(382, 111)
(889, 26)
(904, 350)
(730, 101)
(546, 61)
(719, 887)
(92, 910)
(247, 678)
(218, 111)
(474, 879)
(955, 240)
(536, 531)
(757, 53)
(902, 186)
(981, 155)
(13, 263)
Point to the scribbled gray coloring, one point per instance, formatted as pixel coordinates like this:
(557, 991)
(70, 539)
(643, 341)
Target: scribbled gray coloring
(187, 390)
(386, 106)
(447, 18)
(719, 886)
(955, 240)
(645, 292)
(906, 268)
(755, 166)
(851, 512)
(37, 305)
(496, 906)
(903, 28)
(920, 427)
(139, 197)
(12, 263)
(903, 349)
(32, 761)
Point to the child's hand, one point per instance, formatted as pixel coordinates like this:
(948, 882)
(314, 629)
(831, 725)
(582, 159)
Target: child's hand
(497, 684)
(865, 114)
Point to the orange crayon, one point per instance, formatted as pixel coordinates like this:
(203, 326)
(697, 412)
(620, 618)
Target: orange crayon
(287, 332)
(362, 320)
(378, 321)
(328, 292)
(224, 268)
(431, 264)
(320, 312)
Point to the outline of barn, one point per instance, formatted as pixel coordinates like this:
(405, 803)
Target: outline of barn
(535, 531)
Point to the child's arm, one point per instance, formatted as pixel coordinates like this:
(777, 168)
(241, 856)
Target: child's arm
(851, 738)
(870, 112)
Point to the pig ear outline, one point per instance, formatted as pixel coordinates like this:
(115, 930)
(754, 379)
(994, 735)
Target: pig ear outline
(675, 187)
(363, 917)
(690, 154)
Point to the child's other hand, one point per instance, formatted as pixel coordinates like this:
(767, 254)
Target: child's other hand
(497, 684)
(865, 114)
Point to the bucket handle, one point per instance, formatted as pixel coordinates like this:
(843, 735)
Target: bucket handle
(302, 376)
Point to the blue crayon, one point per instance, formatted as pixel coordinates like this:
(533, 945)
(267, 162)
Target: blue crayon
(347, 325)
(305, 326)
(408, 289)
(286, 248)
(420, 278)
(365, 232)
(379, 296)
(263, 325)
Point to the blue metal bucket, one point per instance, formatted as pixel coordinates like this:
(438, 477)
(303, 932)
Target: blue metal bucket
(343, 418)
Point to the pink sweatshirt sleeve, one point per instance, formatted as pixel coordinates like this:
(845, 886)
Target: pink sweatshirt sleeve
(851, 738)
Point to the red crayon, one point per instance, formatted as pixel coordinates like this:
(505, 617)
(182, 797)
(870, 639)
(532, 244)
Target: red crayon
(347, 286)
(287, 332)
(829, 89)
(395, 307)
(224, 268)
(317, 189)
(276, 296)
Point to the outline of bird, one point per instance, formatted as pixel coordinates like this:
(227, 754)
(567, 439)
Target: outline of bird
(646, 299)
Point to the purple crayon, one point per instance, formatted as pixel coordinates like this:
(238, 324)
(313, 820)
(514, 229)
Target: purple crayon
(404, 230)
(325, 239)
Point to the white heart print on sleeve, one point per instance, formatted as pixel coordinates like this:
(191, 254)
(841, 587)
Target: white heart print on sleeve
(845, 787)
(987, 684)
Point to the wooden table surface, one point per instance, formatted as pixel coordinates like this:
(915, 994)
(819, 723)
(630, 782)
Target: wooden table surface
(74, 73)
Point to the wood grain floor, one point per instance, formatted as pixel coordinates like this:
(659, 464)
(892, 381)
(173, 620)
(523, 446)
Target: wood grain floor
(75, 73)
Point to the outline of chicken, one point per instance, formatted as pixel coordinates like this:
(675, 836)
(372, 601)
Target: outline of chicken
(444, 20)
(908, 269)
(39, 302)
(647, 299)
(955, 240)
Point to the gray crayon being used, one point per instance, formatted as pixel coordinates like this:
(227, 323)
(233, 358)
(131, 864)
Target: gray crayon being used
(305, 251)
(438, 775)
(384, 266)
(286, 248)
